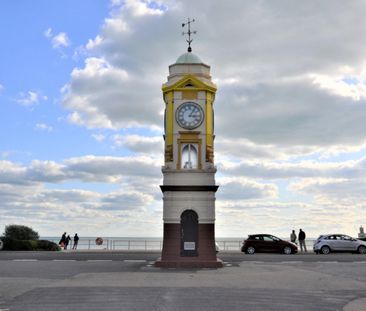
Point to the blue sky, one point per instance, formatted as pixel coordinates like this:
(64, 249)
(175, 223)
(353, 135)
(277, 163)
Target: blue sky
(82, 113)
(30, 64)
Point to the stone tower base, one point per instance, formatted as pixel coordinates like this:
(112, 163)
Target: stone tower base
(171, 256)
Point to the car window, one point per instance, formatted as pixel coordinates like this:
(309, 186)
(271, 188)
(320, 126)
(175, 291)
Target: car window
(259, 238)
(268, 238)
(346, 237)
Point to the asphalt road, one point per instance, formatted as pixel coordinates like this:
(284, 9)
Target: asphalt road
(48, 281)
(230, 257)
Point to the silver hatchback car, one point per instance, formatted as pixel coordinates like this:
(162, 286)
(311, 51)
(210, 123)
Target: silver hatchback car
(327, 243)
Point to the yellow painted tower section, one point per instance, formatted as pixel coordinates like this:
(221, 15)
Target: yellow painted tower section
(189, 86)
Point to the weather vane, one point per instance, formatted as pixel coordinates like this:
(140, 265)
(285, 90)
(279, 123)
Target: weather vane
(189, 33)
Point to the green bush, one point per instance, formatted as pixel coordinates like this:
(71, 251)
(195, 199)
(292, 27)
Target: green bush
(29, 245)
(23, 238)
(19, 245)
(44, 245)
(19, 232)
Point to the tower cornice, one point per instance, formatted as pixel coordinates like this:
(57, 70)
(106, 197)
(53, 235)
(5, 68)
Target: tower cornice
(190, 79)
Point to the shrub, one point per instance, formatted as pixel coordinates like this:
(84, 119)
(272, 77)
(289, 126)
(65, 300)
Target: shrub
(29, 245)
(44, 245)
(19, 232)
(23, 238)
(19, 245)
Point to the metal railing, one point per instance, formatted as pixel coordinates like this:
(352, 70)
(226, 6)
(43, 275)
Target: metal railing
(149, 245)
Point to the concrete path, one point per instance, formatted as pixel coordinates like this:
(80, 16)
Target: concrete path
(136, 285)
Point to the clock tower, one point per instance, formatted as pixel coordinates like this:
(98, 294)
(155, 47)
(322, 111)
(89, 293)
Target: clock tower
(189, 171)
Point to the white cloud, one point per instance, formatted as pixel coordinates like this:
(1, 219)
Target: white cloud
(100, 82)
(139, 8)
(126, 201)
(48, 33)
(290, 88)
(31, 98)
(237, 189)
(85, 211)
(287, 95)
(25, 195)
(302, 169)
(348, 193)
(92, 44)
(140, 144)
(58, 41)
(98, 137)
(44, 127)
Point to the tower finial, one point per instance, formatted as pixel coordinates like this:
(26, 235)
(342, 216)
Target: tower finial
(189, 32)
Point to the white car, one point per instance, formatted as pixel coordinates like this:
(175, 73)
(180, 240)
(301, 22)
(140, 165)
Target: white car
(327, 243)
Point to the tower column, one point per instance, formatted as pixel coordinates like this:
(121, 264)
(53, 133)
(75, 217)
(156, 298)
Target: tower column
(189, 173)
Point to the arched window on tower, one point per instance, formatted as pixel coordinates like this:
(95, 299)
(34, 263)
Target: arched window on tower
(189, 156)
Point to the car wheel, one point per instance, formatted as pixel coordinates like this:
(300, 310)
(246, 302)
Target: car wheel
(287, 250)
(250, 250)
(362, 249)
(325, 250)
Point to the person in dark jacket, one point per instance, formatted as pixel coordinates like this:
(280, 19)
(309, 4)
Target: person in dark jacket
(302, 237)
(67, 241)
(63, 240)
(293, 237)
(76, 240)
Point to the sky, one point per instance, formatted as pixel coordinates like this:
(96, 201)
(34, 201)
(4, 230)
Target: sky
(81, 110)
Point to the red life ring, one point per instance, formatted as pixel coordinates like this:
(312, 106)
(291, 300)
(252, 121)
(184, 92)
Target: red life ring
(99, 241)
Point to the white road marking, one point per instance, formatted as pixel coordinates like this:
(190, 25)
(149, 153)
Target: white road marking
(63, 260)
(98, 260)
(134, 260)
(25, 259)
(294, 261)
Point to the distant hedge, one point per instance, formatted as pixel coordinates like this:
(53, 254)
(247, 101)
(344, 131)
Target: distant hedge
(19, 232)
(29, 245)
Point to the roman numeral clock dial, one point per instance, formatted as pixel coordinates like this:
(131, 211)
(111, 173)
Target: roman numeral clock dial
(189, 115)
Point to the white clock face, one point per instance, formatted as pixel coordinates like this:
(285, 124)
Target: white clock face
(189, 115)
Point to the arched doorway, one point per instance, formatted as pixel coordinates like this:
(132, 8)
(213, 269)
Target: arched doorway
(189, 233)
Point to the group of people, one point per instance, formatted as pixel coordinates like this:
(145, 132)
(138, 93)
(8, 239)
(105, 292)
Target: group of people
(65, 240)
(301, 239)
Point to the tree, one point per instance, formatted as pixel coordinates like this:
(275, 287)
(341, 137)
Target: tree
(19, 232)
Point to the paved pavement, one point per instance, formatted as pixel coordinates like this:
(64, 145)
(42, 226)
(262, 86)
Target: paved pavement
(128, 281)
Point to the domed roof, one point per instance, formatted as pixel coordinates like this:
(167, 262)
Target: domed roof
(188, 58)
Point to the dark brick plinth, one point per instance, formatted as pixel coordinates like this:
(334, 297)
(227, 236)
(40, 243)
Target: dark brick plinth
(171, 254)
(188, 264)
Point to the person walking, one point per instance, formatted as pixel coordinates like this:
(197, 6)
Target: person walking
(293, 237)
(62, 241)
(302, 237)
(68, 239)
(76, 240)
